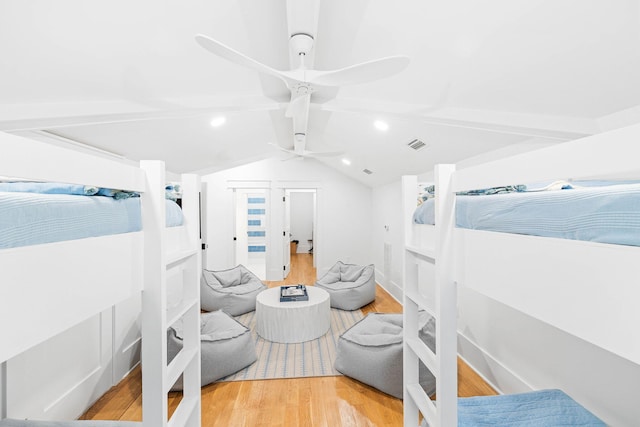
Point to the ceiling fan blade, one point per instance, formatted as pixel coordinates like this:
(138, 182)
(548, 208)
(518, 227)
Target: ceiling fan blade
(292, 154)
(224, 51)
(281, 148)
(292, 157)
(323, 153)
(360, 73)
(307, 153)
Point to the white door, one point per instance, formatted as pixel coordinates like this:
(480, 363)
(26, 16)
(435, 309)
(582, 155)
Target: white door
(286, 235)
(251, 229)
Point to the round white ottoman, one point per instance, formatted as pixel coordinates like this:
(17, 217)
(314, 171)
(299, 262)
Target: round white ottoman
(293, 321)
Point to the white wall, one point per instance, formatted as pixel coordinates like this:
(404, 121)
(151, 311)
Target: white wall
(499, 340)
(387, 231)
(514, 351)
(343, 211)
(302, 219)
(61, 377)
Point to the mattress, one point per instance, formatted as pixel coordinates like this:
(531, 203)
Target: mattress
(607, 214)
(33, 218)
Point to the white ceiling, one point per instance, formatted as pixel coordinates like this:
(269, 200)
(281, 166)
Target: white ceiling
(127, 77)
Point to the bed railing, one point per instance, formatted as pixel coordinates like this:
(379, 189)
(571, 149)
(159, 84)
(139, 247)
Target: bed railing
(48, 288)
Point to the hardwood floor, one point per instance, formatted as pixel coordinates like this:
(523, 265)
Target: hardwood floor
(318, 401)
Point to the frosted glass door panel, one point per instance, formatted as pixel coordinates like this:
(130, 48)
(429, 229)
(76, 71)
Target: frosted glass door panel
(251, 230)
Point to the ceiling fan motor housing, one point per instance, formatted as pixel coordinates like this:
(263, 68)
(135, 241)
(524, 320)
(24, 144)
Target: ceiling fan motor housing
(301, 43)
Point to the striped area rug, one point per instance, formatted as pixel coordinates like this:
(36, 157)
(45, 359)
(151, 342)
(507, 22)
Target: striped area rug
(308, 359)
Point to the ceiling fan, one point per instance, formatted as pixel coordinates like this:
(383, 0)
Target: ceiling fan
(306, 153)
(302, 82)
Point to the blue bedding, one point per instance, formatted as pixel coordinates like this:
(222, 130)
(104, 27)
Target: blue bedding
(535, 409)
(609, 214)
(33, 218)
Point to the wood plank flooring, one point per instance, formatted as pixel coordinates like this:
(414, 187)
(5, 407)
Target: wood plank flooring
(317, 401)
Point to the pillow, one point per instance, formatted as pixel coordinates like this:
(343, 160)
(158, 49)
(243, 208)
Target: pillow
(231, 277)
(48, 188)
(116, 194)
(173, 192)
(429, 193)
(494, 190)
(549, 186)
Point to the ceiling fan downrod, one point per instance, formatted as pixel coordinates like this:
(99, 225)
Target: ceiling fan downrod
(301, 44)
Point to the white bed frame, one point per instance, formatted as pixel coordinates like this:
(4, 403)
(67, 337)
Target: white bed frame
(47, 289)
(564, 283)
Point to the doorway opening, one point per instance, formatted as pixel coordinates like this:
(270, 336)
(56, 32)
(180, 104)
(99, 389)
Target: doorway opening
(300, 223)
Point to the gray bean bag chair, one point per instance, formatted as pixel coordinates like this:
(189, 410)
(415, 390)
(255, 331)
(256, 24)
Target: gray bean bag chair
(226, 346)
(350, 286)
(371, 352)
(233, 290)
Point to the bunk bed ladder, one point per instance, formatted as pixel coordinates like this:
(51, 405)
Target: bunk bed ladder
(442, 363)
(158, 377)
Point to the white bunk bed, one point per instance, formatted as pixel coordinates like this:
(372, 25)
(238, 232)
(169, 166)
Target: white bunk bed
(48, 288)
(560, 282)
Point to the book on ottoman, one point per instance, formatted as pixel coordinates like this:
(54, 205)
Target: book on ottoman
(293, 293)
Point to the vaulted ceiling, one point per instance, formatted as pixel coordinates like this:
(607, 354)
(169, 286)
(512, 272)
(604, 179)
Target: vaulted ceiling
(128, 77)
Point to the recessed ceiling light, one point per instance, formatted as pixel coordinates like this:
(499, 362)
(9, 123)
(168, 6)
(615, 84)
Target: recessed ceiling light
(346, 161)
(380, 125)
(218, 121)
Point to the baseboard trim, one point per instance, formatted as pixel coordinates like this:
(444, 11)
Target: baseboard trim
(498, 376)
(390, 286)
(3, 390)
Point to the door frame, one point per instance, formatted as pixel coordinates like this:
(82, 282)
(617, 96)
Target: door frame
(280, 189)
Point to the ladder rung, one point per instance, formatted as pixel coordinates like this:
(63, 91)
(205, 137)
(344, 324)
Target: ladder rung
(422, 252)
(177, 257)
(175, 313)
(184, 411)
(425, 354)
(179, 364)
(424, 404)
(420, 301)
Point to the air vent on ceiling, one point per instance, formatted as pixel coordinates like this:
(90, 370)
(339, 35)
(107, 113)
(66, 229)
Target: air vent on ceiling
(416, 144)
(367, 171)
